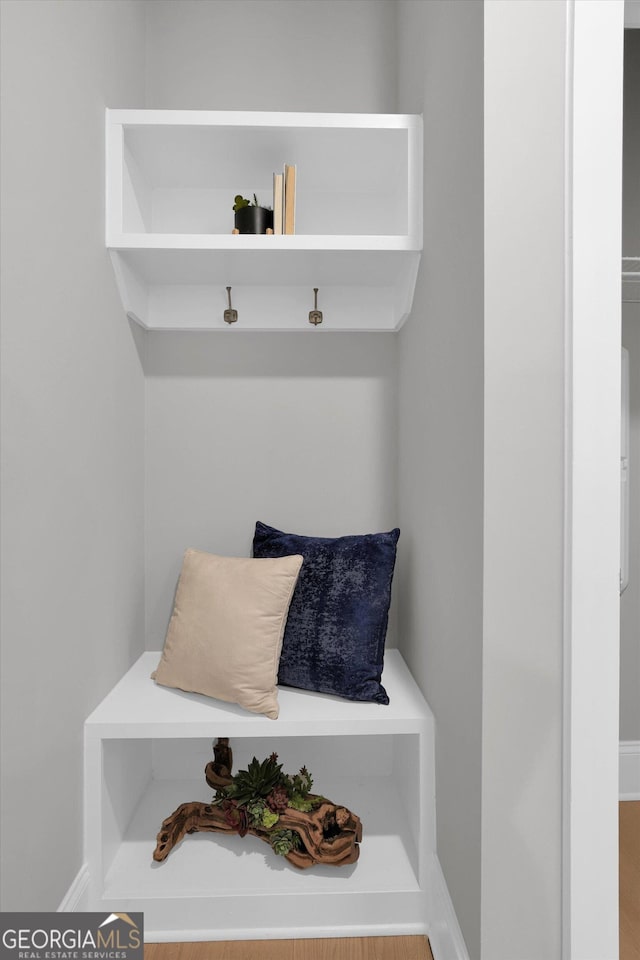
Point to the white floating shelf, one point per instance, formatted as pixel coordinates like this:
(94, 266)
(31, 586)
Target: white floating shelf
(171, 180)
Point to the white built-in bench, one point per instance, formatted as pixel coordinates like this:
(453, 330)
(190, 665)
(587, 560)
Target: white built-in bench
(146, 747)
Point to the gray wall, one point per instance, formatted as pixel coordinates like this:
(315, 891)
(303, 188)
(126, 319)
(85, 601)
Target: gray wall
(630, 600)
(72, 426)
(272, 55)
(441, 426)
(481, 402)
(524, 331)
(295, 430)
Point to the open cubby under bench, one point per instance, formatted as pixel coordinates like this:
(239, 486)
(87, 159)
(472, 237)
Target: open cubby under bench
(146, 747)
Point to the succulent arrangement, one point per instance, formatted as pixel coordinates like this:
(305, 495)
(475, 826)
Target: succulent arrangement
(267, 803)
(258, 796)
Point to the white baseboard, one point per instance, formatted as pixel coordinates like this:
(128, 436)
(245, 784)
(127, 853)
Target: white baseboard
(445, 935)
(630, 770)
(284, 933)
(76, 899)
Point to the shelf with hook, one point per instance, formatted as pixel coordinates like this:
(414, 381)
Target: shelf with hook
(179, 290)
(358, 220)
(192, 308)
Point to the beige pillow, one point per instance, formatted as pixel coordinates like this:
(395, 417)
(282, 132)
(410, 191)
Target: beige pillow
(225, 634)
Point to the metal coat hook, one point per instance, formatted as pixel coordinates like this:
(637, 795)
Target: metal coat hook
(315, 315)
(230, 315)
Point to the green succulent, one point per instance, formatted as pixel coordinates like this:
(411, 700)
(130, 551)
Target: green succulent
(255, 812)
(269, 818)
(301, 783)
(239, 202)
(284, 841)
(256, 782)
(301, 803)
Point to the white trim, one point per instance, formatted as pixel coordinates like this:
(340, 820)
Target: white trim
(630, 769)
(567, 480)
(261, 118)
(114, 188)
(286, 933)
(76, 899)
(445, 935)
(594, 162)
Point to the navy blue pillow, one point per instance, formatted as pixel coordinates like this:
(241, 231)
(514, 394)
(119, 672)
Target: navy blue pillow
(337, 624)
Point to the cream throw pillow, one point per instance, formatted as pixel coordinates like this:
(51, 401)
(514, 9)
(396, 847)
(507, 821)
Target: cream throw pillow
(225, 634)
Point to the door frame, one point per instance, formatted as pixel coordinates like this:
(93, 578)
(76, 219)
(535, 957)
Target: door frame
(592, 433)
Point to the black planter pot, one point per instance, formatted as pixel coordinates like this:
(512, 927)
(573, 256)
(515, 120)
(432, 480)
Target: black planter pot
(253, 220)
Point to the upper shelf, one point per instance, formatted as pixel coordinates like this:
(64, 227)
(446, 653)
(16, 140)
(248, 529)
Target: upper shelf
(171, 180)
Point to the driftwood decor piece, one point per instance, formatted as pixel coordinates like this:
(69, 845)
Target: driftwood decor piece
(304, 827)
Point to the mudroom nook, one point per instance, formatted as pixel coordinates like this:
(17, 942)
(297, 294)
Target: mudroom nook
(358, 237)
(427, 341)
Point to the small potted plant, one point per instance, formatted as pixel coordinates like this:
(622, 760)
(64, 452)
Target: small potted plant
(250, 217)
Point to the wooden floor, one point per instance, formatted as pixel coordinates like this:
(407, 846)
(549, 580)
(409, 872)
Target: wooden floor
(350, 948)
(630, 880)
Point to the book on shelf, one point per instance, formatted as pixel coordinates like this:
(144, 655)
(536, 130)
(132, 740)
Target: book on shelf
(289, 198)
(278, 203)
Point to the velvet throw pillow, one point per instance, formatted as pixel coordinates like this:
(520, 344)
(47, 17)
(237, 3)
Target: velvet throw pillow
(337, 624)
(225, 634)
